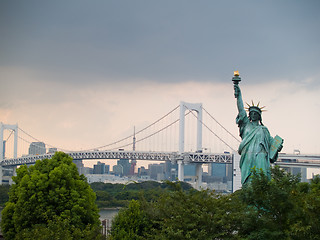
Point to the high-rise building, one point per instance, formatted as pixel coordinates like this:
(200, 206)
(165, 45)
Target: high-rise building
(100, 168)
(133, 167)
(142, 171)
(117, 170)
(79, 164)
(37, 148)
(125, 166)
(157, 171)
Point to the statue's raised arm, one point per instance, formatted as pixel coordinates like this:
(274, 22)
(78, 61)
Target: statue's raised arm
(238, 96)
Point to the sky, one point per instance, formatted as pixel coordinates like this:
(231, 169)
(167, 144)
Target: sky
(81, 74)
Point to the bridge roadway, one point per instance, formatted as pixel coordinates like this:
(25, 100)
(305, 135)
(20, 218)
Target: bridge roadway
(284, 160)
(187, 157)
(294, 160)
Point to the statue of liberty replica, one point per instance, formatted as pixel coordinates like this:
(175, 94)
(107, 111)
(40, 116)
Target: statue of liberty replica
(257, 148)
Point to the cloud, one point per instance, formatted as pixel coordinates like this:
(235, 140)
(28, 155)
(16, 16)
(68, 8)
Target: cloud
(162, 41)
(80, 75)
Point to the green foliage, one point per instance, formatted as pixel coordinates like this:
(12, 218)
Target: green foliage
(60, 229)
(4, 194)
(46, 195)
(130, 224)
(177, 214)
(271, 205)
(280, 208)
(185, 215)
(120, 195)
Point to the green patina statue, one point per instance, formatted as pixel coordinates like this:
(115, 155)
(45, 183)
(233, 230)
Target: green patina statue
(257, 149)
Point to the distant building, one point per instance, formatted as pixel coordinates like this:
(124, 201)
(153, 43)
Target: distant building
(52, 150)
(37, 148)
(99, 168)
(85, 170)
(190, 170)
(142, 171)
(133, 167)
(78, 163)
(173, 174)
(157, 171)
(106, 178)
(218, 170)
(126, 166)
(117, 170)
(6, 176)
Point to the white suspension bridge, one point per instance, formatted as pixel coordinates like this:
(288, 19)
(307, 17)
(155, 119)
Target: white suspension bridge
(163, 140)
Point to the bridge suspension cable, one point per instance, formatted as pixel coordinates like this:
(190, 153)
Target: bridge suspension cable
(9, 135)
(212, 131)
(221, 125)
(65, 150)
(160, 130)
(123, 139)
(107, 145)
(112, 146)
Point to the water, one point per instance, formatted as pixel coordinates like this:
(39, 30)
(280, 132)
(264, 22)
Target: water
(108, 213)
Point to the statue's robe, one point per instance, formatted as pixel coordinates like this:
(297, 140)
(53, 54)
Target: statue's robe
(254, 148)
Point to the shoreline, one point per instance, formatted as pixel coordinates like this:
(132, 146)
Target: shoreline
(110, 208)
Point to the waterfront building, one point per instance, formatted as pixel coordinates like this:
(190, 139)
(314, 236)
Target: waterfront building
(106, 178)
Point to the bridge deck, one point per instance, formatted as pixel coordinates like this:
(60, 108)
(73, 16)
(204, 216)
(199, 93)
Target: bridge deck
(187, 157)
(133, 155)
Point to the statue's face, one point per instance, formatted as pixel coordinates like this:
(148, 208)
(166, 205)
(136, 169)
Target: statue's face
(254, 116)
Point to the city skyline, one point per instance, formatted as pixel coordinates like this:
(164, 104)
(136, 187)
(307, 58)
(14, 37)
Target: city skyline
(78, 75)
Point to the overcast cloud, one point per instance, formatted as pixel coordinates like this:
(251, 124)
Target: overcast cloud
(91, 70)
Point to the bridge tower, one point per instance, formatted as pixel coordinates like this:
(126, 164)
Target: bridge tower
(197, 107)
(15, 153)
(15, 129)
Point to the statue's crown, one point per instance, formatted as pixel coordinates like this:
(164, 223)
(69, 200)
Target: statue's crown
(255, 108)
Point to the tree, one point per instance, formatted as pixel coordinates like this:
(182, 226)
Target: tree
(280, 208)
(131, 223)
(178, 214)
(4, 194)
(47, 197)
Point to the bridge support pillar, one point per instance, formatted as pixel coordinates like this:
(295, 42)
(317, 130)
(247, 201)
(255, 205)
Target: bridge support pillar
(180, 171)
(199, 175)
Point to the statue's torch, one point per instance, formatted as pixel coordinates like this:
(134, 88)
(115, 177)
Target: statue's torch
(236, 79)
